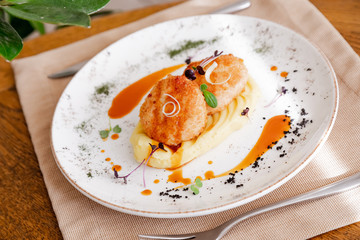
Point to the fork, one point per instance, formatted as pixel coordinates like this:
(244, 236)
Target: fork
(218, 232)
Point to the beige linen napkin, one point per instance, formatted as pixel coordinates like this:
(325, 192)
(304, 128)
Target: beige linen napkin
(81, 218)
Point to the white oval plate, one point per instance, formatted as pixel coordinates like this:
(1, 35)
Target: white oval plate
(82, 112)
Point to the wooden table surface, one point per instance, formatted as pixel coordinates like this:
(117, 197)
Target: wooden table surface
(25, 208)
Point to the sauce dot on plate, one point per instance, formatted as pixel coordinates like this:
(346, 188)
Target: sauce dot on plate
(156, 181)
(210, 162)
(284, 74)
(146, 192)
(273, 68)
(103, 151)
(114, 136)
(107, 159)
(116, 168)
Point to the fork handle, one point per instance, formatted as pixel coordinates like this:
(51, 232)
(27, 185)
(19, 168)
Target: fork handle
(336, 187)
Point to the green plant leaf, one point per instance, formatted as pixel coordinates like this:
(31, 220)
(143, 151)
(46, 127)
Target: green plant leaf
(10, 41)
(38, 26)
(104, 134)
(49, 14)
(198, 182)
(117, 129)
(12, 2)
(194, 189)
(85, 6)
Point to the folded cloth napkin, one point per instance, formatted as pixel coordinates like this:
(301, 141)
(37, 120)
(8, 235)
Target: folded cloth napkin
(81, 218)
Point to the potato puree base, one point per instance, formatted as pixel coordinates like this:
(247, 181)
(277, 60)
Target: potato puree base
(218, 127)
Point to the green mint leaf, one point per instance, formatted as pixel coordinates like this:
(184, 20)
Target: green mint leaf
(210, 99)
(203, 87)
(104, 134)
(117, 129)
(194, 189)
(194, 68)
(198, 182)
(10, 41)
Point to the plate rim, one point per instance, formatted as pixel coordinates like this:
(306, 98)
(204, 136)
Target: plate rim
(234, 203)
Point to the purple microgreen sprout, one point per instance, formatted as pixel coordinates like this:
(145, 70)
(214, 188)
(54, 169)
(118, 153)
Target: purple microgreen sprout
(245, 112)
(207, 60)
(280, 92)
(154, 148)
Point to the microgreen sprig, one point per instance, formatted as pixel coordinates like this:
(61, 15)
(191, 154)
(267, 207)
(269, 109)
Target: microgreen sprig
(209, 97)
(154, 148)
(280, 92)
(105, 133)
(195, 187)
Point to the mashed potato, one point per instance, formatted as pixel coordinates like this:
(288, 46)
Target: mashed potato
(219, 126)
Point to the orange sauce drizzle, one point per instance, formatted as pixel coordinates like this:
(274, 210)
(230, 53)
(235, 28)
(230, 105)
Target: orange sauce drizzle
(114, 136)
(116, 168)
(177, 177)
(273, 131)
(273, 68)
(107, 159)
(130, 97)
(156, 181)
(146, 192)
(284, 74)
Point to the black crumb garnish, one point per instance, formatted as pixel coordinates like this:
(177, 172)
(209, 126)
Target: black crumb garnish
(287, 79)
(286, 111)
(296, 132)
(239, 185)
(279, 148)
(295, 70)
(188, 60)
(303, 123)
(264, 118)
(292, 141)
(282, 155)
(230, 180)
(308, 69)
(303, 113)
(255, 164)
(294, 90)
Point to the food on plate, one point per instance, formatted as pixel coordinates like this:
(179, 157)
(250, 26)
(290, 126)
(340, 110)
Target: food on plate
(225, 77)
(176, 113)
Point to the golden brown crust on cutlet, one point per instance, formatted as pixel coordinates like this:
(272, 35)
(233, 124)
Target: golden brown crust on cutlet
(187, 124)
(226, 92)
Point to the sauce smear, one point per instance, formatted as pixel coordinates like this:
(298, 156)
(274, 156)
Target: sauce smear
(130, 97)
(177, 177)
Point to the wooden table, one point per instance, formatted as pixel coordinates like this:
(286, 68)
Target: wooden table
(25, 208)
